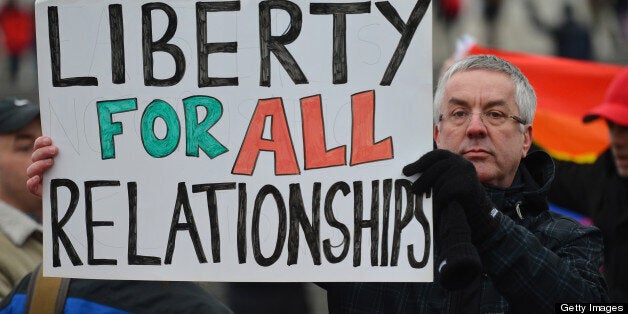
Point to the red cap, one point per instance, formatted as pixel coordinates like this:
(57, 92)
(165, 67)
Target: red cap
(615, 105)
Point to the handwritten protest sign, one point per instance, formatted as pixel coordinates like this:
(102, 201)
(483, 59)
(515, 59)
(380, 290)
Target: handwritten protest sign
(236, 140)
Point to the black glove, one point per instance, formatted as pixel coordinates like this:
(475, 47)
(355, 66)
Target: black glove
(458, 261)
(453, 178)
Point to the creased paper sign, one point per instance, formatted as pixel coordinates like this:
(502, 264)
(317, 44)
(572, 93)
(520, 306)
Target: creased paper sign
(236, 140)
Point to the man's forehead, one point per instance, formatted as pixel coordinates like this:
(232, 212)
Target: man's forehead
(488, 88)
(32, 128)
(478, 77)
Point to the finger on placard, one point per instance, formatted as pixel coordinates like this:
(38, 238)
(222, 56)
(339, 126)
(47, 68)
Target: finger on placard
(429, 177)
(42, 141)
(45, 152)
(411, 169)
(426, 161)
(33, 184)
(38, 168)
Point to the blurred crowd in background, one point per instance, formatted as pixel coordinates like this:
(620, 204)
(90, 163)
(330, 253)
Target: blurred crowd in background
(594, 30)
(18, 71)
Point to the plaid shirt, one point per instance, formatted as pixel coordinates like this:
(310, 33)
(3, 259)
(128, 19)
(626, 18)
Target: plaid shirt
(530, 263)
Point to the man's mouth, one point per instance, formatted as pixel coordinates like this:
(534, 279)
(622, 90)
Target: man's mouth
(475, 153)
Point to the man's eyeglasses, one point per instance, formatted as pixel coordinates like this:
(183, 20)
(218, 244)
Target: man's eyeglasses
(491, 117)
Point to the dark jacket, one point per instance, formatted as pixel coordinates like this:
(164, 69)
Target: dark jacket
(124, 296)
(596, 190)
(534, 260)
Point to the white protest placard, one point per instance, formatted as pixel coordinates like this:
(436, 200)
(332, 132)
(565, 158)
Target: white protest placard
(236, 140)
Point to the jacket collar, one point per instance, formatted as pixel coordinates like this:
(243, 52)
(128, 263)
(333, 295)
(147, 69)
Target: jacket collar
(527, 196)
(16, 225)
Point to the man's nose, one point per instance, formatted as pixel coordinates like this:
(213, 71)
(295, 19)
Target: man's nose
(476, 127)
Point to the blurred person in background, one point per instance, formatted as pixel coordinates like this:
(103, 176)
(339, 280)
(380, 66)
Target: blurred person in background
(448, 11)
(490, 12)
(20, 211)
(18, 30)
(600, 190)
(571, 38)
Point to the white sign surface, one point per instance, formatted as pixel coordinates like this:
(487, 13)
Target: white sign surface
(236, 140)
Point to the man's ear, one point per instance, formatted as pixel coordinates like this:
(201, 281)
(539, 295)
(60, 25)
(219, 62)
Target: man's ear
(527, 140)
(436, 133)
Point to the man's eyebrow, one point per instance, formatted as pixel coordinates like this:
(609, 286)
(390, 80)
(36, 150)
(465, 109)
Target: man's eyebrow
(457, 101)
(24, 136)
(495, 103)
(463, 103)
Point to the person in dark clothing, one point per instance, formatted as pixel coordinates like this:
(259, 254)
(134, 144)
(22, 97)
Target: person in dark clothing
(530, 258)
(600, 190)
(267, 297)
(571, 38)
(490, 13)
(123, 296)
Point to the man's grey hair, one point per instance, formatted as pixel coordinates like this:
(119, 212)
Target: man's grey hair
(525, 97)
